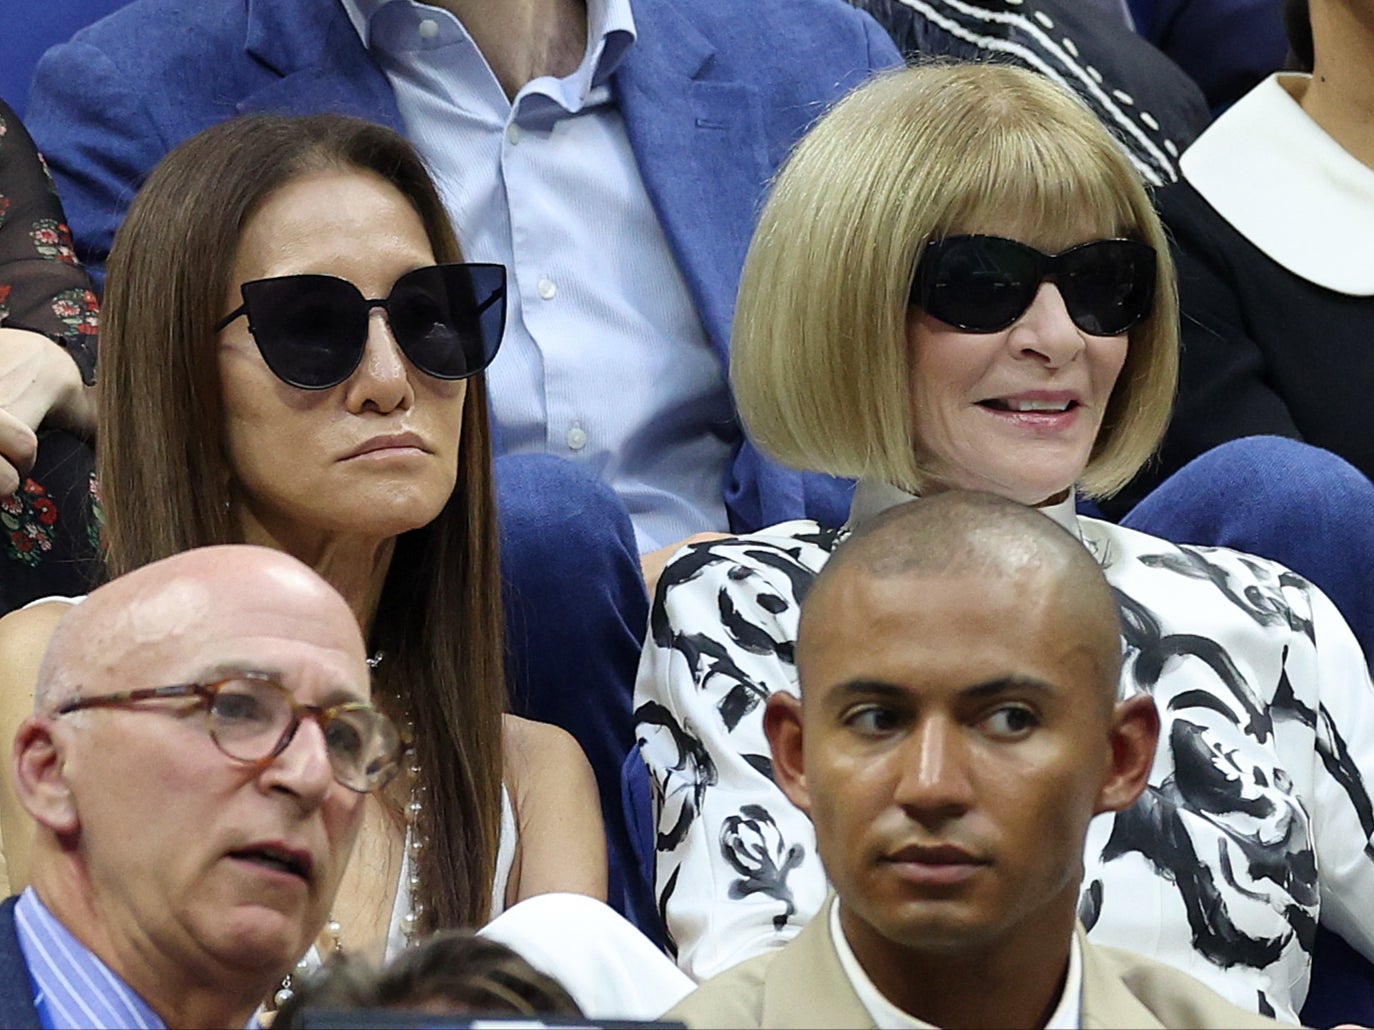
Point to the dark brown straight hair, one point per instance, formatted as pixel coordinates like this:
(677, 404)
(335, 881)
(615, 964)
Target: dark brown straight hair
(165, 477)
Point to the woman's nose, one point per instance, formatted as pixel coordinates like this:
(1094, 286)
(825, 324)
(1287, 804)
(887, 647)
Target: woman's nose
(1045, 332)
(382, 379)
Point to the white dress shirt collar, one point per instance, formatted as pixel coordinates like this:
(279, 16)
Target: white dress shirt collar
(610, 31)
(1067, 1015)
(873, 497)
(1288, 187)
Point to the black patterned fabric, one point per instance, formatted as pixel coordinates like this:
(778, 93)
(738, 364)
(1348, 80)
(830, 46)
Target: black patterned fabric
(1256, 823)
(1152, 107)
(48, 529)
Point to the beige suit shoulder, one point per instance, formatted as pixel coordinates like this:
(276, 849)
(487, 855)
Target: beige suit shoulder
(733, 998)
(1121, 988)
(798, 986)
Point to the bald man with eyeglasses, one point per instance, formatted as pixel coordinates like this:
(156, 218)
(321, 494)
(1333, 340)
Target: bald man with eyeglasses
(196, 761)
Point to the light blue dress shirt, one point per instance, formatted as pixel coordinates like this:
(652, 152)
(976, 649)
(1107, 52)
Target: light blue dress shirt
(74, 988)
(605, 361)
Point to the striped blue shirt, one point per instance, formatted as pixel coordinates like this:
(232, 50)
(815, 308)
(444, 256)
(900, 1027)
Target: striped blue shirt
(72, 987)
(605, 361)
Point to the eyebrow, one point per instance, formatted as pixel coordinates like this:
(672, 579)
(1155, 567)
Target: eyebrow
(976, 692)
(1009, 683)
(337, 695)
(227, 670)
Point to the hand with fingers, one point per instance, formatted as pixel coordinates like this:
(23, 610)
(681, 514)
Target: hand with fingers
(39, 383)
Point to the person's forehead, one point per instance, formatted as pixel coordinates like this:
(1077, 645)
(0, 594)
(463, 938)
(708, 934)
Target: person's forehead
(1051, 236)
(314, 223)
(939, 633)
(195, 632)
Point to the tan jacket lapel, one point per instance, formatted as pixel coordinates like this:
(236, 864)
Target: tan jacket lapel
(806, 986)
(1106, 1000)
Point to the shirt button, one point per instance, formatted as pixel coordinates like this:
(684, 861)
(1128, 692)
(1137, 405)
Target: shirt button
(548, 289)
(577, 438)
(428, 29)
(513, 133)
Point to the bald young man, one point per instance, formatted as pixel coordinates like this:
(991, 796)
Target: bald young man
(957, 730)
(189, 841)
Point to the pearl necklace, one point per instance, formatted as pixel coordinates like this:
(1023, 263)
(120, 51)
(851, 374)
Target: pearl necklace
(414, 845)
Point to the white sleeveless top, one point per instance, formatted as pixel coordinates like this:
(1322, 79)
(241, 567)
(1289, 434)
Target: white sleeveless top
(395, 934)
(505, 862)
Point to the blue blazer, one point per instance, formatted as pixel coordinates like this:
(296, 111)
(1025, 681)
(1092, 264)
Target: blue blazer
(16, 989)
(713, 92)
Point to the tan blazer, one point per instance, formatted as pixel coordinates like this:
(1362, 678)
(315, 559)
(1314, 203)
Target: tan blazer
(803, 985)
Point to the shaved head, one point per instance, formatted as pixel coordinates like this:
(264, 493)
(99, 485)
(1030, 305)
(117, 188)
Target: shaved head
(165, 606)
(191, 850)
(958, 728)
(967, 533)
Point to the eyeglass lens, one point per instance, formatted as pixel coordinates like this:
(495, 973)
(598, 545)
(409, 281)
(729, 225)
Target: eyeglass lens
(312, 329)
(985, 283)
(252, 719)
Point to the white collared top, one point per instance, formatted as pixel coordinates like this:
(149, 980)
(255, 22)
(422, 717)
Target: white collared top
(1288, 187)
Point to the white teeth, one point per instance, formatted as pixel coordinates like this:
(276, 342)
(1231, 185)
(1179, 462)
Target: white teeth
(1025, 405)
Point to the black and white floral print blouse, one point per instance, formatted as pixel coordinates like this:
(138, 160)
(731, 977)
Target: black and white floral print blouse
(1256, 823)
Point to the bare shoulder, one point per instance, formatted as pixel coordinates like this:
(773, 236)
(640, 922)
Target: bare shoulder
(541, 760)
(562, 845)
(531, 747)
(24, 636)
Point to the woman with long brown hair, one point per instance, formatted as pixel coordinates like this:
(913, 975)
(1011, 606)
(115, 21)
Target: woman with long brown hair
(292, 356)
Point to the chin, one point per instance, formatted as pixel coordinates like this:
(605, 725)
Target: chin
(262, 942)
(396, 512)
(939, 933)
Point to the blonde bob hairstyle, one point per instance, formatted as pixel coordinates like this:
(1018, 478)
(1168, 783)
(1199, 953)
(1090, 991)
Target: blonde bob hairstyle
(821, 366)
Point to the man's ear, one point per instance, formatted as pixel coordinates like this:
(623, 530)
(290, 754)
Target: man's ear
(782, 721)
(40, 776)
(1134, 737)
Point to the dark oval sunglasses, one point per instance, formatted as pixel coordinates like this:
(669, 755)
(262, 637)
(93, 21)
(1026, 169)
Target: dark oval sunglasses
(312, 329)
(982, 284)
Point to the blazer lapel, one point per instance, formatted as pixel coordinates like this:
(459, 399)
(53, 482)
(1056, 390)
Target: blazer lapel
(1106, 1000)
(701, 147)
(16, 989)
(321, 64)
(805, 984)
